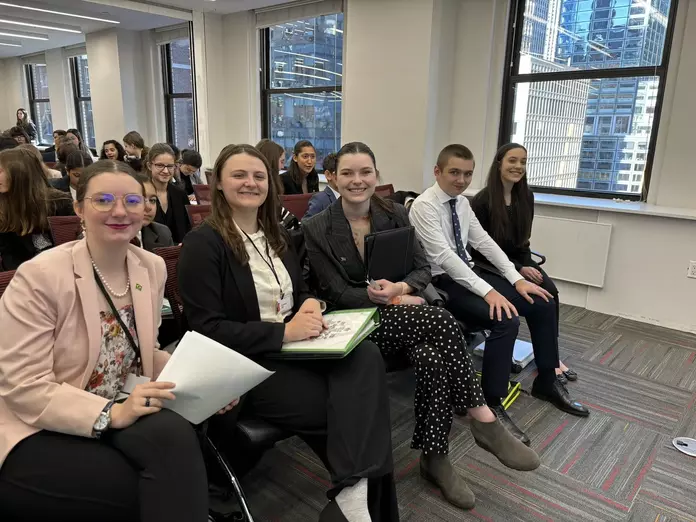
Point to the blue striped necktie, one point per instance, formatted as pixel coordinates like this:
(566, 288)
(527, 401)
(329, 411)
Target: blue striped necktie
(457, 229)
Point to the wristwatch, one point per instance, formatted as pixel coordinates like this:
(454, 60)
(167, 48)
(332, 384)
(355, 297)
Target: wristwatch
(103, 422)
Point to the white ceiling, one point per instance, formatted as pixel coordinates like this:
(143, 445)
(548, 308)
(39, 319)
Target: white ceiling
(128, 18)
(216, 6)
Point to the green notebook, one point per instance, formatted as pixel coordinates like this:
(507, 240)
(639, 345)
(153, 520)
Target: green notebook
(347, 329)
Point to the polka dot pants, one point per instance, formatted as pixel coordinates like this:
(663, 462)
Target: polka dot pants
(445, 377)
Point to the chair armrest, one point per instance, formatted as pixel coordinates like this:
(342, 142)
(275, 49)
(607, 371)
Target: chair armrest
(542, 258)
(433, 296)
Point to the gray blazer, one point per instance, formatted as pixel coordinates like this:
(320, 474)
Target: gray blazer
(337, 270)
(156, 235)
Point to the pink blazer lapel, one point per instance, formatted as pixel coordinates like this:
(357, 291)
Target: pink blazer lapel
(141, 293)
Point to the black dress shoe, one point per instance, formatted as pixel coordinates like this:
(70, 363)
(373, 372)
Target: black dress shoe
(560, 377)
(570, 375)
(509, 425)
(557, 394)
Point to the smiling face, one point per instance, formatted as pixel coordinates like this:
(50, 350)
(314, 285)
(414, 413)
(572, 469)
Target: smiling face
(150, 204)
(513, 166)
(455, 177)
(122, 222)
(356, 177)
(306, 159)
(20, 114)
(162, 168)
(110, 151)
(244, 182)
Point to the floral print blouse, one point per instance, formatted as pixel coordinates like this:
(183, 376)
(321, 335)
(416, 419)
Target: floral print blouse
(117, 357)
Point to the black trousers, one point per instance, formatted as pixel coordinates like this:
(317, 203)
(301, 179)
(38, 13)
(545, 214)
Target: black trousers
(445, 377)
(548, 285)
(341, 409)
(152, 471)
(542, 319)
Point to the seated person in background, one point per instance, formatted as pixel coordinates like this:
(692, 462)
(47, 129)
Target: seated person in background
(152, 235)
(112, 150)
(275, 154)
(49, 154)
(429, 336)
(74, 163)
(25, 123)
(65, 147)
(324, 199)
(19, 135)
(68, 451)
(75, 136)
(171, 199)
(51, 174)
(135, 147)
(189, 169)
(7, 143)
(505, 209)
(241, 284)
(301, 176)
(26, 202)
(445, 223)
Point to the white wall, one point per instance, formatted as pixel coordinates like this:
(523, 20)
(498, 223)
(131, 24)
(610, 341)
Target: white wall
(60, 89)
(12, 85)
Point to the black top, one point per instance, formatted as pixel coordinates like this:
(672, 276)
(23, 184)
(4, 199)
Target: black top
(337, 270)
(156, 235)
(290, 187)
(62, 184)
(220, 299)
(517, 251)
(176, 217)
(16, 249)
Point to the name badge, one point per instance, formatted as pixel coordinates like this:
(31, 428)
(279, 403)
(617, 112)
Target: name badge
(131, 382)
(285, 304)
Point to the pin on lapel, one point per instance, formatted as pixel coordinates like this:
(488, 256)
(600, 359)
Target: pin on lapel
(343, 260)
(138, 286)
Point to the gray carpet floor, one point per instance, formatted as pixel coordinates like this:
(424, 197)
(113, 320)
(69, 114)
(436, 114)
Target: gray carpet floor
(619, 464)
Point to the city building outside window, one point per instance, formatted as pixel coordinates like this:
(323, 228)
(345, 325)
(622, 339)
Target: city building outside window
(302, 78)
(595, 69)
(39, 101)
(83, 99)
(177, 73)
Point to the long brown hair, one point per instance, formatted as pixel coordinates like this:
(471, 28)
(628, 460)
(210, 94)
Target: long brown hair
(221, 217)
(30, 199)
(295, 171)
(273, 153)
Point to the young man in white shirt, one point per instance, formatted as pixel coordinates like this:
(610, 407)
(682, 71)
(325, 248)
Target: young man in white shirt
(444, 224)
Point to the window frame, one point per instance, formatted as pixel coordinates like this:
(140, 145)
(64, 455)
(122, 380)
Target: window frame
(511, 79)
(265, 82)
(78, 97)
(170, 95)
(29, 78)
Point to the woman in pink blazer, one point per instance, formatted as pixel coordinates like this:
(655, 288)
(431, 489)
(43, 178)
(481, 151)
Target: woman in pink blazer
(78, 325)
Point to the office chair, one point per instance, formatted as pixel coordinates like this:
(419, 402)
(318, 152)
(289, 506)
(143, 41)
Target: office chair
(202, 193)
(297, 204)
(64, 229)
(197, 213)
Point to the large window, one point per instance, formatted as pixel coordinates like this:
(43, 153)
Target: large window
(587, 75)
(178, 93)
(83, 99)
(39, 102)
(302, 83)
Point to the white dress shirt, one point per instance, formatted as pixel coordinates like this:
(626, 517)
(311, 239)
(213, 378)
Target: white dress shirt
(73, 193)
(431, 215)
(335, 193)
(267, 290)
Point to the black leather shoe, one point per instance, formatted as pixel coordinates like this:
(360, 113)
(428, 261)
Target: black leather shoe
(557, 394)
(509, 425)
(570, 375)
(560, 377)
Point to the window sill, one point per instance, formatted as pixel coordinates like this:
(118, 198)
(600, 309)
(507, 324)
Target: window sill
(609, 205)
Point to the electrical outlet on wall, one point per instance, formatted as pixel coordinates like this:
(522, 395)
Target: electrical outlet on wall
(692, 270)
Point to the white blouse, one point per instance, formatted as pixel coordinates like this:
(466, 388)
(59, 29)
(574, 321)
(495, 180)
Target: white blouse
(267, 290)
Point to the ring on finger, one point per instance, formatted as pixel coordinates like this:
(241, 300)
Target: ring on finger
(147, 402)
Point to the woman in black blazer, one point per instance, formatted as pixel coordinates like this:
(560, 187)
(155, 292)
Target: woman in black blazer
(171, 199)
(241, 284)
(301, 176)
(429, 336)
(26, 202)
(505, 208)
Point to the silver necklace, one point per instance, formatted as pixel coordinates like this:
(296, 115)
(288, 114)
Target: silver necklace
(108, 286)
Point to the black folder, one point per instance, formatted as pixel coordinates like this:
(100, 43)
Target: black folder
(389, 253)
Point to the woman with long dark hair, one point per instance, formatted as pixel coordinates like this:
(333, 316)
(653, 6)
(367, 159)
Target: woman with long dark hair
(24, 122)
(241, 284)
(301, 176)
(505, 208)
(428, 336)
(275, 154)
(76, 138)
(112, 150)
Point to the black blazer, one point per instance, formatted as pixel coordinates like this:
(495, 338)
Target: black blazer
(176, 217)
(16, 249)
(336, 268)
(62, 184)
(290, 187)
(156, 235)
(220, 299)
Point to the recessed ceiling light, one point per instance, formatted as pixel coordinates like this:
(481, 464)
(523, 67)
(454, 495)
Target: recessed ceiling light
(51, 27)
(22, 34)
(10, 43)
(6, 4)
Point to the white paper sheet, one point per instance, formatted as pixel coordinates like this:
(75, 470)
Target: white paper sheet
(208, 376)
